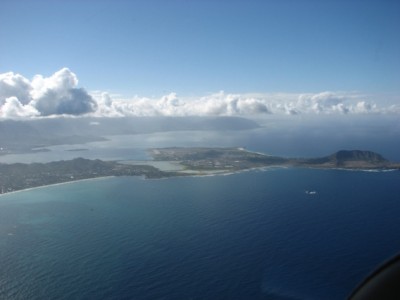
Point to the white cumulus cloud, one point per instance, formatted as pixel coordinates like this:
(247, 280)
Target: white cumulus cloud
(13, 108)
(59, 94)
(43, 96)
(14, 85)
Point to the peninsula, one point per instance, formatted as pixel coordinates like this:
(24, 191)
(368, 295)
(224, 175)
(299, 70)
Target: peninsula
(237, 159)
(190, 162)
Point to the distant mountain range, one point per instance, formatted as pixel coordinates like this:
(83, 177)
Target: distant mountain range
(22, 136)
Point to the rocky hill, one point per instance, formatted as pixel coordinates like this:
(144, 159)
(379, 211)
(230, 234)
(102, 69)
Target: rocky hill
(353, 159)
(346, 156)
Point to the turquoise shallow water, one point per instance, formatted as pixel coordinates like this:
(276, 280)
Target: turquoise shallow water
(254, 235)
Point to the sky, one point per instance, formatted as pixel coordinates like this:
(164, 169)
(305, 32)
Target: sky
(116, 57)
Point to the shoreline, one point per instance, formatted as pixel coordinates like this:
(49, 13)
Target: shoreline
(55, 184)
(180, 162)
(269, 168)
(210, 173)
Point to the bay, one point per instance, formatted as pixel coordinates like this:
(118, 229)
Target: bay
(253, 235)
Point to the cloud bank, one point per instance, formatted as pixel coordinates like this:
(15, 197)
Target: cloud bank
(59, 94)
(223, 104)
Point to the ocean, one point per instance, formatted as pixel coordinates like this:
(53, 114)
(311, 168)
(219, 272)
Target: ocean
(252, 235)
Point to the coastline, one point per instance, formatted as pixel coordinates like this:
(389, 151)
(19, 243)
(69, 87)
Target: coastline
(195, 173)
(55, 184)
(210, 173)
(371, 170)
(180, 162)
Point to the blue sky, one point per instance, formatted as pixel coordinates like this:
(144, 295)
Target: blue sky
(152, 48)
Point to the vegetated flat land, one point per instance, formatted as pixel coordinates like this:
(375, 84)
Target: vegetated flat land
(233, 159)
(195, 161)
(14, 177)
(208, 159)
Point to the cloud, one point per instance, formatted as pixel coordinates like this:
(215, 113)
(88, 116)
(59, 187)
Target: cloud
(14, 109)
(14, 85)
(219, 104)
(333, 103)
(54, 95)
(59, 94)
(223, 104)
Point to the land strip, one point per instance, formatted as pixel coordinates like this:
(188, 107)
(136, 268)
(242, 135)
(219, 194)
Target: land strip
(191, 162)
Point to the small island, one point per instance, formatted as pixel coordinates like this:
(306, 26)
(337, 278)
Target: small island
(191, 162)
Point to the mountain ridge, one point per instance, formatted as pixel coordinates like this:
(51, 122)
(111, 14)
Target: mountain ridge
(351, 159)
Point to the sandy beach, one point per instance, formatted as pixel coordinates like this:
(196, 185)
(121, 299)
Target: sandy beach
(55, 184)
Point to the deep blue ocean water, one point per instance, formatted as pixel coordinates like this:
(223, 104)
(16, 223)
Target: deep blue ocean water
(253, 235)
